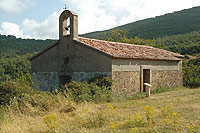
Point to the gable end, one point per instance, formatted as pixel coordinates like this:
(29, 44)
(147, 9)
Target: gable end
(43, 51)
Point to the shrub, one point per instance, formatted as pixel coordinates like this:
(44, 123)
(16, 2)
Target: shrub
(172, 120)
(102, 81)
(10, 90)
(82, 91)
(150, 114)
(114, 126)
(191, 73)
(16, 96)
(192, 128)
(166, 111)
(51, 121)
(136, 121)
(96, 122)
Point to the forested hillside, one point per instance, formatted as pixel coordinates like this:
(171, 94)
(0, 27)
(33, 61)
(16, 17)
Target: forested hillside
(12, 46)
(188, 43)
(14, 54)
(180, 22)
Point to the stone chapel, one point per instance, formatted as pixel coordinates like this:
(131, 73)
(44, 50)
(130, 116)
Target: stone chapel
(74, 58)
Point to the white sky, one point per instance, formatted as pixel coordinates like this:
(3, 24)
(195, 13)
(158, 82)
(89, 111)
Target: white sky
(39, 18)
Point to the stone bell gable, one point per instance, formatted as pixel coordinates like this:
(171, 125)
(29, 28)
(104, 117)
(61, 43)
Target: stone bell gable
(68, 24)
(74, 58)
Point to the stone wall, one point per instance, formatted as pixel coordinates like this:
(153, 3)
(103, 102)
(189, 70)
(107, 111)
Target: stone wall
(162, 79)
(45, 81)
(86, 76)
(48, 81)
(125, 83)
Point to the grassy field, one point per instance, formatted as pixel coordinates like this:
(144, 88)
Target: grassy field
(172, 111)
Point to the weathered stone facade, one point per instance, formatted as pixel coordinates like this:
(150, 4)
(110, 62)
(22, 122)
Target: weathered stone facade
(45, 81)
(162, 79)
(126, 83)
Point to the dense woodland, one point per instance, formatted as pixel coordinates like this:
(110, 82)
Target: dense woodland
(14, 52)
(11, 46)
(180, 22)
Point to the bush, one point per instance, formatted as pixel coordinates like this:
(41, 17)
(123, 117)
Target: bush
(191, 74)
(51, 122)
(96, 122)
(10, 90)
(82, 91)
(18, 97)
(102, 81)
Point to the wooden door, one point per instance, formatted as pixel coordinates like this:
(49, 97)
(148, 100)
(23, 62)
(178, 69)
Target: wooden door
(146, 78)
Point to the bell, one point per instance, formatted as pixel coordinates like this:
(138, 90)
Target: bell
(67, 28)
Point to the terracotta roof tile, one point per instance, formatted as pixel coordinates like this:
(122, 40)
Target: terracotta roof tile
(122, 50)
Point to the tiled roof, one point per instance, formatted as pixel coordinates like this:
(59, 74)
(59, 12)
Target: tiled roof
(122, 50)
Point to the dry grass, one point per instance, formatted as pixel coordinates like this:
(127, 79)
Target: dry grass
(117, 116)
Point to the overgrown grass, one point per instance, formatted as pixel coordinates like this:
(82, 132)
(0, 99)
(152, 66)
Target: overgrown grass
(35, 111)
(17, 97)
(161, 90)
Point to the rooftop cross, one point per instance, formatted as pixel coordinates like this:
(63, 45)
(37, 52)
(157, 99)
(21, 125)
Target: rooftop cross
(65, 7)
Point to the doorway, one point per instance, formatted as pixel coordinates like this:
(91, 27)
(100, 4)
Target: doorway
(146, 78)
(64, 79)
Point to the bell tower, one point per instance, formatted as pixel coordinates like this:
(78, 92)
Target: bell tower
(68, 24)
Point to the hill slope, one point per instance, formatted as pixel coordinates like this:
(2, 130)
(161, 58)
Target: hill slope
(188, 43)
(184, 21)
(11, 46)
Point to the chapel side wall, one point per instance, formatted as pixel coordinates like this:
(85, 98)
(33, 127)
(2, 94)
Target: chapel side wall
(127, 75)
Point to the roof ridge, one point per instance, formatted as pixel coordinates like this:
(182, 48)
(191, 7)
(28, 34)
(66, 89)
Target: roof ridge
(116, 42)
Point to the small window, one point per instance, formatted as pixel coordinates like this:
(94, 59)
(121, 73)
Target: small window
(66, 61)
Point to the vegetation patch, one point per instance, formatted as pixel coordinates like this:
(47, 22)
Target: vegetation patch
(97, 91)
(46, 112)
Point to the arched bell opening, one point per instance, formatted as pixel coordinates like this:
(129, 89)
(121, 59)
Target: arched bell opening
(66, 26)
